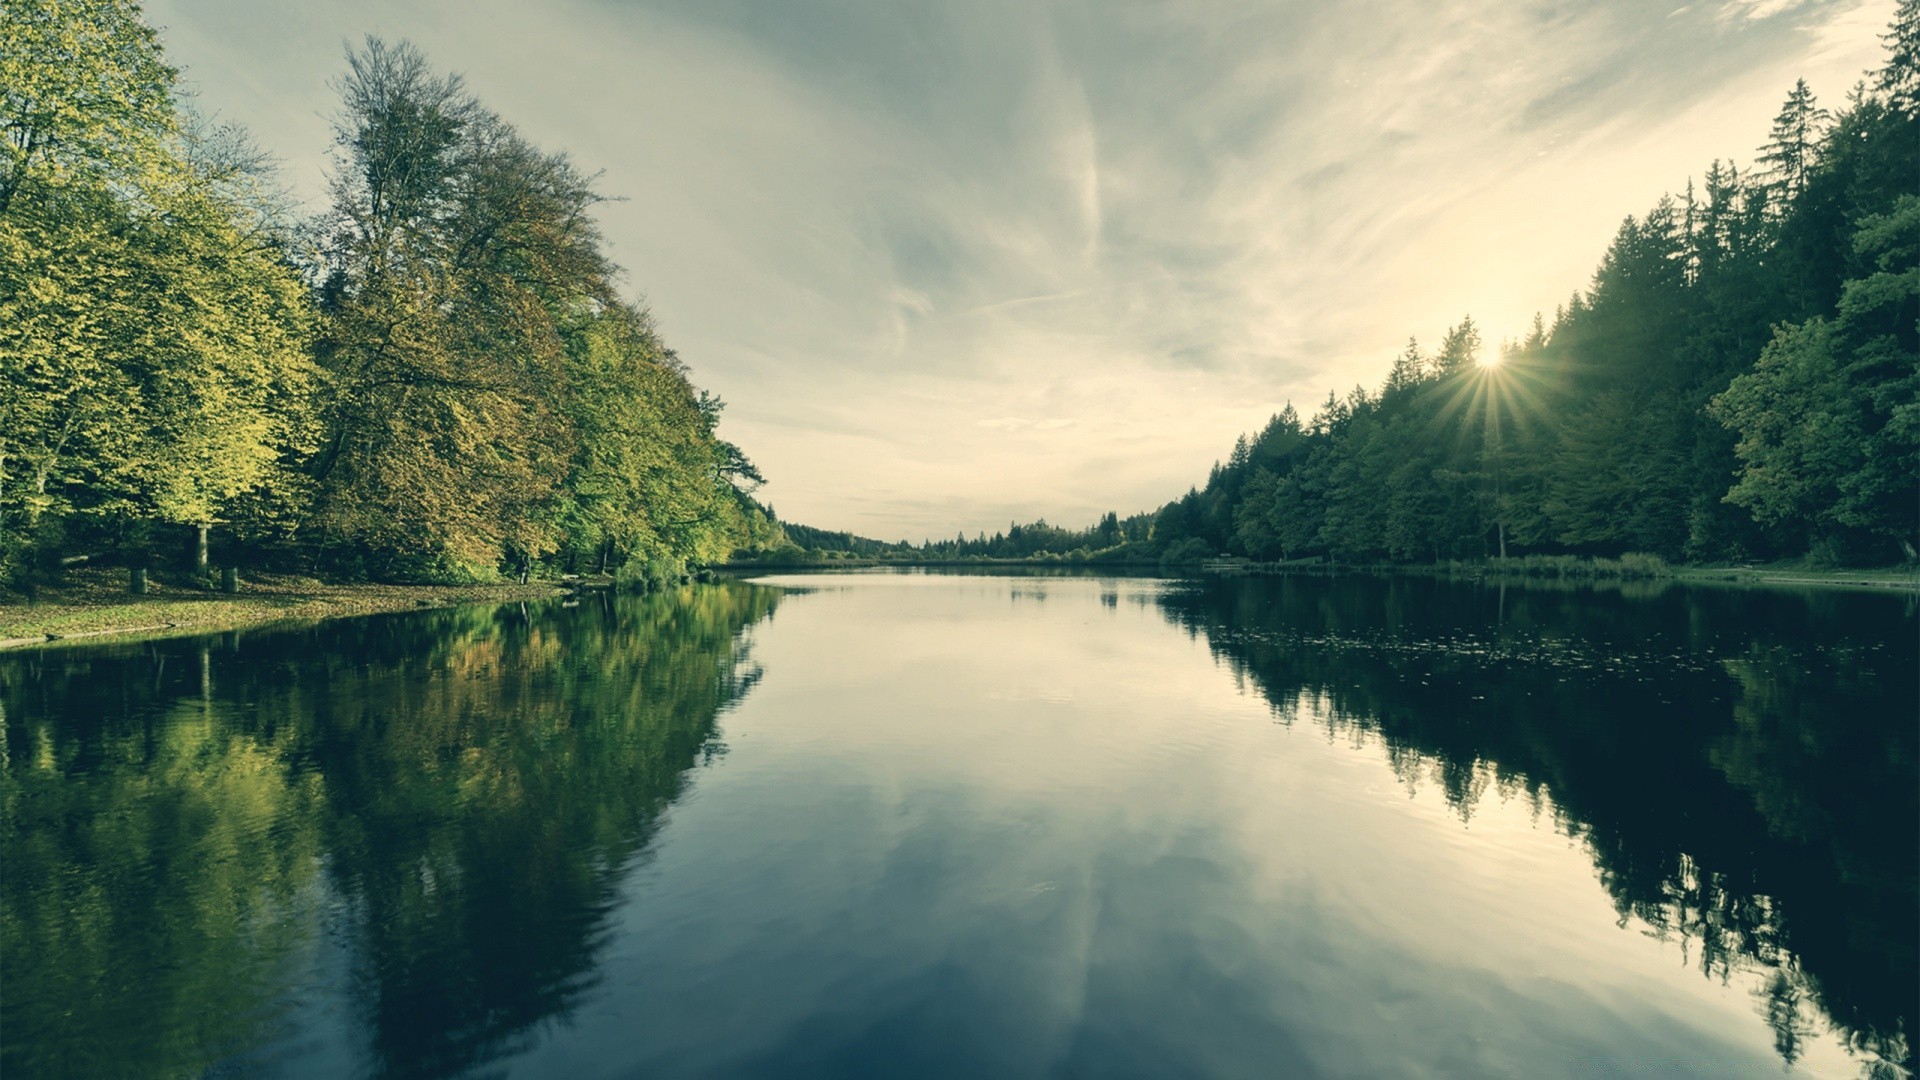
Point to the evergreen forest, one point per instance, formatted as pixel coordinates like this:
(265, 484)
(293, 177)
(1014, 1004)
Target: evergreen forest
(1740, 382)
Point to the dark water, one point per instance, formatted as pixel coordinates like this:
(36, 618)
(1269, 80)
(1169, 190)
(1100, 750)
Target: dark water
(920, 825)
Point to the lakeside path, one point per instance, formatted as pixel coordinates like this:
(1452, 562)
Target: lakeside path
(93, 611)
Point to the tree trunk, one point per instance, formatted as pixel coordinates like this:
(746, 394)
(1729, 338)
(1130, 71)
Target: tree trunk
(137, 580)
(200, 531)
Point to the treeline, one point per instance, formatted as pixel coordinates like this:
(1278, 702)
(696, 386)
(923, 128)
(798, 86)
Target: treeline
(1110, 534)
(433, 376)
(1740, 381)
(1112, 539)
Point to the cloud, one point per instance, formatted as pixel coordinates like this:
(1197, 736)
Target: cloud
(952, 264)
(1758, 9)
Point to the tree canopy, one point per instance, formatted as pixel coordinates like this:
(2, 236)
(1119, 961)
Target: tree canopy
(434, 375)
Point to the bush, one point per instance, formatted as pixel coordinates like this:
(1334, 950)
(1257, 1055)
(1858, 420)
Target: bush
(1186, 553)
(1631, 566)
(1634, 564)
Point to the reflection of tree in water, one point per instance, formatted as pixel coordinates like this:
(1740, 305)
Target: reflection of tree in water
(157, 864)
(1740, 764)
(459, 792)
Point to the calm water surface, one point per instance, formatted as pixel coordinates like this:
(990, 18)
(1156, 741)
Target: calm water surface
(942, 825)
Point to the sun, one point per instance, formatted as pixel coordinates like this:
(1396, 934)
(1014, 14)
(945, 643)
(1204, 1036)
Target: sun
(1488, 360)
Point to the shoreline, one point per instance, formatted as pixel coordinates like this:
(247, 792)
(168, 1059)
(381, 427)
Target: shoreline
(98, 613)
(1877, 578)
(168, 610)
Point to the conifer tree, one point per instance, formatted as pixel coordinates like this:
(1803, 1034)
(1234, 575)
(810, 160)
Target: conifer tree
(1792, 144)
(1899, 80)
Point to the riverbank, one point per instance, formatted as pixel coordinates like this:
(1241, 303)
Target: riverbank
(97, 605)
(1799, 576)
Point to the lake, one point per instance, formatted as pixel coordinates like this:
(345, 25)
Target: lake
(921, 824)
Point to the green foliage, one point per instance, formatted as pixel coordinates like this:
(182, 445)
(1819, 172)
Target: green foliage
(153, 335)
(84, 95)
(455, 388)
(1829, 419)
(1741, 380)
(1631, 566)
(1186, 552)
(454, 246)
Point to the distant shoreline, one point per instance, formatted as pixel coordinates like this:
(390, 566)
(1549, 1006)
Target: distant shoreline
(1894, 577)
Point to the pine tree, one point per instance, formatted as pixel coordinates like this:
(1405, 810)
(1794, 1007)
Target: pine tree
(1900, 78)
(1406, 372)
(1460, 349)
(1793, 144)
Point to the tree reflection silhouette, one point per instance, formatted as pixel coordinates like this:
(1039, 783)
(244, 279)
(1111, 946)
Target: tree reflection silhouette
(455, 794)
(1739, 764)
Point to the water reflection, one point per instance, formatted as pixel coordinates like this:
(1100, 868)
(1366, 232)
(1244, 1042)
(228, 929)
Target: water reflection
(974, 826)
(1740, 765)
(196, 830)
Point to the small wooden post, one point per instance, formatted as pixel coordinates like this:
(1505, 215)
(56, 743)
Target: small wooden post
(229, 579)
(137, 580)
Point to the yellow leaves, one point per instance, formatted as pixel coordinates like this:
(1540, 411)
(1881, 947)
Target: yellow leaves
(473, 387)
(179, 360)
(83, 92)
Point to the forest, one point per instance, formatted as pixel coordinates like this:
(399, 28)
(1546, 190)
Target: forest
(1739, 382)
(435, 376)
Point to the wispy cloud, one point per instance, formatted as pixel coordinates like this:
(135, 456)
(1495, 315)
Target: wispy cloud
(955, 263)
(1758, 9)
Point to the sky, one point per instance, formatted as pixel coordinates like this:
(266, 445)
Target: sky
(955, 265)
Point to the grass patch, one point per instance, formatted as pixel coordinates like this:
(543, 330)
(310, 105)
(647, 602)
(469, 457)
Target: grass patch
(1801, 572)
(1631, 566)
(96, 602)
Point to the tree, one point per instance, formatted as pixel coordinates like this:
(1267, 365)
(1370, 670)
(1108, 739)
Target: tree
(1791, 146)
(1829, 419)
(1899, 80)
(648, 479)
(85, 102)
(84, 94)
(152, 331)
(455, 249)
(220, 358)
(1459, 349)
(1407, 372)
